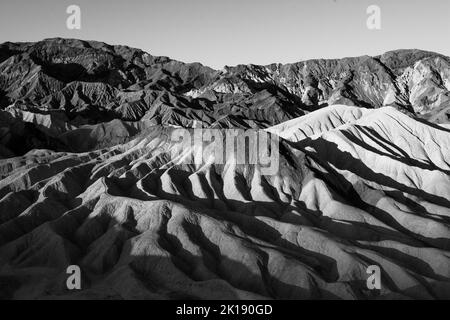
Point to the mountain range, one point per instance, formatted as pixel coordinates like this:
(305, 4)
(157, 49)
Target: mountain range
(87, 177)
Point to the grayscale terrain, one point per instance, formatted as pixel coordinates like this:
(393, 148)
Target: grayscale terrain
(87, 177)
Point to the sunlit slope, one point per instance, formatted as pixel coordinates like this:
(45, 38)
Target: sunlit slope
(355, 188)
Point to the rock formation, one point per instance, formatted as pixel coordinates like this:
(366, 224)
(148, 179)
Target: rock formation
(88, 176)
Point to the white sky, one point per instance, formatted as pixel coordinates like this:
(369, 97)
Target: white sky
(229, 32)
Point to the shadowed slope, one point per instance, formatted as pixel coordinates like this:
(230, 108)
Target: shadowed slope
(370, 189)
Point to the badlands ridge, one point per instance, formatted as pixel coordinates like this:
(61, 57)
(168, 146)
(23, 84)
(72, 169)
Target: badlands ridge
(87, 177)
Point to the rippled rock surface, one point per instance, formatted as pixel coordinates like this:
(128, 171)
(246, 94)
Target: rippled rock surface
(90, 176)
